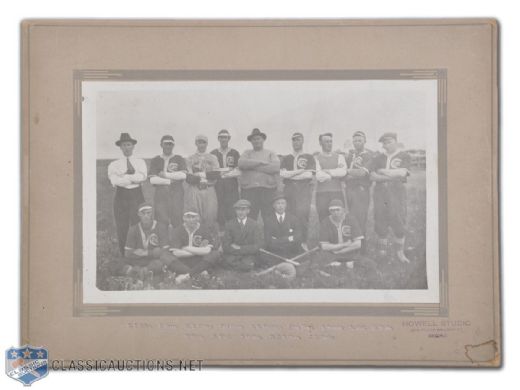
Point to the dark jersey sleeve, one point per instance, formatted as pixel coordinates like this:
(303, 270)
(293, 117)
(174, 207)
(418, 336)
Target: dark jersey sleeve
(406, 160)
(162, 232)
(177, 238)
(287, 162)
(181, 163)
(311, 162)
(236, 157)
(156, 166)
(377, 162)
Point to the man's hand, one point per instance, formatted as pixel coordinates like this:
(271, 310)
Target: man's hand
(235, 246)
(161, 174)
(291, 238)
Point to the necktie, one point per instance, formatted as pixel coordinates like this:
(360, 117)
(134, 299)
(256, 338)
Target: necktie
(129, 167)
(280, 218)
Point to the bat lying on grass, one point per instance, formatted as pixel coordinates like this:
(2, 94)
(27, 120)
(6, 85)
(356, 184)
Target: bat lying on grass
(284, 260)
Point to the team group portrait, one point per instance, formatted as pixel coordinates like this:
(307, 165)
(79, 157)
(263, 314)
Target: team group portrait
(325, 189)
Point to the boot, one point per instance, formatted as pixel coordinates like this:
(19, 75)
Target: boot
(399, 247)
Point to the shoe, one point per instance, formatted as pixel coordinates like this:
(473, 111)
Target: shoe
(182, 278)
(402, 258)
(335, 264)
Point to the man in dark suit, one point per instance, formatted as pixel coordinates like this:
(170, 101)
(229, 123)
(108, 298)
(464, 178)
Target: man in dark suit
(242, 238)
(283, 232)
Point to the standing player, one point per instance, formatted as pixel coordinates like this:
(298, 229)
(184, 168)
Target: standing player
(227, 185)
(297, 170)
(390, 170)
(260, 168)
(200, 194)
(358, 181)
(331, 167)
(167, 174)
(126, 175)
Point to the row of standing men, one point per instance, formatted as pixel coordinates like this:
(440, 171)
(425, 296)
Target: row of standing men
(211, 183)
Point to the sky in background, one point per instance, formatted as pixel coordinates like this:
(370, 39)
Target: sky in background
(148, 110)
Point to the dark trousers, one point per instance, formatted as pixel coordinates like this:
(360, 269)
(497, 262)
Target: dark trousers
(299, 196)
(227, 195)
(323, 200)
(126, 203)
(261, 201)
(169, 204)
(358, 200)
(390, 209)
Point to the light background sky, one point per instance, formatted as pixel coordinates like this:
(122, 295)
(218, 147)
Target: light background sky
(147, 110)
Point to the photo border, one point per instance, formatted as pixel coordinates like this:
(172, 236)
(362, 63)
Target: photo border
(440, 309)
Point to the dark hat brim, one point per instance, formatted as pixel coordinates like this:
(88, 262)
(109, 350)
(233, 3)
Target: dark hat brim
(250, 136)
(120, 141)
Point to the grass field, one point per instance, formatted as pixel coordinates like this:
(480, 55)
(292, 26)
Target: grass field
(391, 274)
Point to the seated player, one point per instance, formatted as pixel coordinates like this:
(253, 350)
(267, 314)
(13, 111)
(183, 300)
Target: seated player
(283, 232)
(192, 248)
(242, 238)
(145, 243)
(340, 236)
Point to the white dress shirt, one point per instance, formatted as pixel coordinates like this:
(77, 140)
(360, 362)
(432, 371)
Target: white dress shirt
(119, 178)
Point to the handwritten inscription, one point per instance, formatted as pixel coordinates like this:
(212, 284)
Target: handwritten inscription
(261, 331)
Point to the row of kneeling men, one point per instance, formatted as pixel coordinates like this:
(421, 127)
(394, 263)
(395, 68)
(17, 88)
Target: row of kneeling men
(193, 248)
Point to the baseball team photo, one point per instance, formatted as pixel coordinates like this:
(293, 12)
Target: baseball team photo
(244, 186)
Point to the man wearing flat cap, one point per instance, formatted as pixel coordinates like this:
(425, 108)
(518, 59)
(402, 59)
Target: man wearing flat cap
(331, 168)
(192, 249)
(243, 239)
(357, 181)
(389, 171)
(126, 175)
(297, 170)
(145, 243)
(258, 181)
(167, 175)
(202, 175)
(226, 186)
(283, 232)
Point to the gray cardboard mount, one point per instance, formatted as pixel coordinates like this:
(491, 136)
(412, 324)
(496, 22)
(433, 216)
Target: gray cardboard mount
(466, 332)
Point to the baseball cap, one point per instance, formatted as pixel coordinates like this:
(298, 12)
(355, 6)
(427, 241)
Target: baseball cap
(167, 139)
(335, 203)
(388, 135)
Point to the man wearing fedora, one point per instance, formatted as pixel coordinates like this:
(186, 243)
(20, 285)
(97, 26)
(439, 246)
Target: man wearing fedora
(283, 232)
(389, 171)
(258, 181)
(242, 239)
(200, 194)
(167, 175)
(126, 175)
(227, 185)
(357, 181)
(297, 170)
